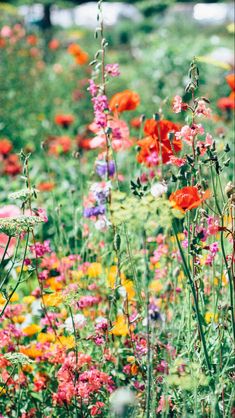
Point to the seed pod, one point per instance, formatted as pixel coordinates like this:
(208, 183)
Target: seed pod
(117, 242)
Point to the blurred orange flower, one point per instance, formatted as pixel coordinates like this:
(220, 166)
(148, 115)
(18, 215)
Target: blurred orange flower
(64, 120)
(125, 100)
(5, 146)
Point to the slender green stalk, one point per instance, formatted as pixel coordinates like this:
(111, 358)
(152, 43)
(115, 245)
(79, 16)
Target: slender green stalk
(200, 326)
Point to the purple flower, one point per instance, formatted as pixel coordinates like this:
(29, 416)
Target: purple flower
(102, 167)
(94, 211)
(93, 88)
(112, 70)
(101, 106)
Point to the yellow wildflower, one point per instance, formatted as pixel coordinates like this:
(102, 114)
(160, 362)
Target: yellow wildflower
(211, 317)
(94, 270)
(120, 327)
(31, 329)
(28, 299)
(52, 299)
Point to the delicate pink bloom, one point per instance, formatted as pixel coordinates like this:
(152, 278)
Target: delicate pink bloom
(39, 249)
(6, 31)
(187, 133)
(177, 161)
(120, 136)
(93, 88)
(177, 104)
(202, 110)
(112, 70)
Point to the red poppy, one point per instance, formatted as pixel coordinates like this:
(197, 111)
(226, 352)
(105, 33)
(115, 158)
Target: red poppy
(156, 147)
(188, 198)
(12, 165)
(136, 123)
(46, 186)
(125, 100)
(64, 120)
(230, 78)
(32, 39)
(5, 146)
(60, 145)
(227, 103)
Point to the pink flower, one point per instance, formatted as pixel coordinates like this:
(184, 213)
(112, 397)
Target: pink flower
(112, 70)
(101, 106)
(7, 212)
(187, 133)
(93, 88)
(202, 110)
(178, 162)
(39, 249)
(6, 31)
(177, 104)
(120, 136)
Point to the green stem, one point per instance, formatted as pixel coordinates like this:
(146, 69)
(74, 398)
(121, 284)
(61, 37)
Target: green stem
(187, 273)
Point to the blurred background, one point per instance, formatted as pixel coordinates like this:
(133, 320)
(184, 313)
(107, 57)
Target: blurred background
(153, 41)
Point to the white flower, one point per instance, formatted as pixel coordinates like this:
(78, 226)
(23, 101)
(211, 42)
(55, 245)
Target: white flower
(158, 189)
(79, 322)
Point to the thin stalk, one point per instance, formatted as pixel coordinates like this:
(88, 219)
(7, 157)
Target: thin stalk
(187, 273)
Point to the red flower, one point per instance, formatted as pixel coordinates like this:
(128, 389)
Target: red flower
(96, 409)
(12, 165)
(157, 146)
(64, 120)
(188, 198)
(80, 56)
(46, 186)
(230, 78)
(5, 146)
(136, 123)
(227, 103)
(32, 39)
(60, 145)
(54, 44)
(125, 100)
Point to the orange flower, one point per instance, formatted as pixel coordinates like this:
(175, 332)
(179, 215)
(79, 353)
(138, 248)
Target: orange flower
(157, 146)
(31, 330)
(46, 186)
(227, 103)
(32, 39)
(230, 78)
(5, 146)
(81, 57)
(64, 120)
(188, 198)
(125, 100)
(136, 123)
(60, 145)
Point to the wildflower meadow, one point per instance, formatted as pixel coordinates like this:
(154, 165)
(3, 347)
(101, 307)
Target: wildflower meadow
(117, 221)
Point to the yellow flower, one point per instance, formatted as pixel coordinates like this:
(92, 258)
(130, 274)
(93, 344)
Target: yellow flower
(52, 299)
(68, 342)
(156, 286)
(77, 275)
(45, 337)
(94, 270)
(129, 287)
(2, 300)
(18, 269)
(15, 297)
(54, 284)
(31, 329)
(112, 275)
(18, 319)
(211, 317)
(28, 299)
(27, 368)
(2, 390)
(31, 351)
(120, 327)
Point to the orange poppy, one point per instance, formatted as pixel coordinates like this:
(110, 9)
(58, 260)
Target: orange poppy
(46, 186)
(230, 78)
(12, 165)
(226, 103)
(80, 56)
(5, 146)
(64, 120)
(125, 100)
(188, 198)
(157, 146)
(60, 145)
